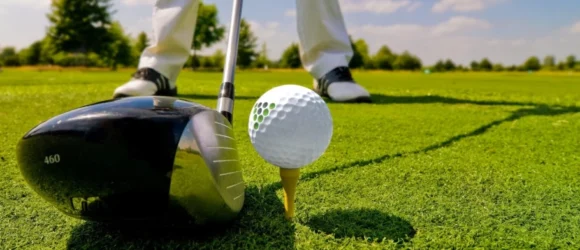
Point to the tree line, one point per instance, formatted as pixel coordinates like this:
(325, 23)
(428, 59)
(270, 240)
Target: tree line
(83, 33)
(533, 63)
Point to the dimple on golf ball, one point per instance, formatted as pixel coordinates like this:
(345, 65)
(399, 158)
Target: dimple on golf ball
(290, 126)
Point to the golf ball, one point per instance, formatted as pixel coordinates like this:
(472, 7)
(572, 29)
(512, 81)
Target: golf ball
(290, 126)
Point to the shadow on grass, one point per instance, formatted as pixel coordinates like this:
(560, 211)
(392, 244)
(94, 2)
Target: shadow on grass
(213, 97)
(541, 110)
(260, 225)
(387, 99)
(363, 224)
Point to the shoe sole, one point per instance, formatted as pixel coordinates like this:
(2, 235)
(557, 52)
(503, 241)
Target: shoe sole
(360, 99)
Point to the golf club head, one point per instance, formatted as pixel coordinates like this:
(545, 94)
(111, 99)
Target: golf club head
(136, 159)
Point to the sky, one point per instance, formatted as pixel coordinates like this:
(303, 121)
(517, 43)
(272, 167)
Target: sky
(505, 31)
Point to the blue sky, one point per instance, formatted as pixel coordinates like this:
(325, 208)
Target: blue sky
(506, 31)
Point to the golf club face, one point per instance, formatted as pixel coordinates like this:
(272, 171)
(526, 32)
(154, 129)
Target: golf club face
(208, 140)
(136, 159)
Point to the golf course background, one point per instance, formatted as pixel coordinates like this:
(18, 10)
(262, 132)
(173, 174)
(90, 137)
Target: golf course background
(442, 160)
(102, 41)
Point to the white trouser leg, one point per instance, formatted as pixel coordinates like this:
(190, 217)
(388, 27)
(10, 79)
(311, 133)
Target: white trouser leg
(324, 41)
(325, 45)
(173, 29)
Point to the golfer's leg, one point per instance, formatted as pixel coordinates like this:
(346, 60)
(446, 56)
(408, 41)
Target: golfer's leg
(160, 63)
(324, 42)
(325, 49)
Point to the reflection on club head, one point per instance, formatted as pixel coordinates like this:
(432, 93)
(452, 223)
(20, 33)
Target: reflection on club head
(163, 102)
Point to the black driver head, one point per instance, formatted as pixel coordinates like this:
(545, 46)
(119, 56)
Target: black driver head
(136, 159)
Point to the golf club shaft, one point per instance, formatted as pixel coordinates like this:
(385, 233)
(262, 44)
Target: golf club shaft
(226, 96)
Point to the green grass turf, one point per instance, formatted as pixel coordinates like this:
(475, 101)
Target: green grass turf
(438, 161)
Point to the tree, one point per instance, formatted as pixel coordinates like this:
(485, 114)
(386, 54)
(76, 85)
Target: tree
(142, 42)
(193, 62)
(246, 45)
(384, 58)
(80, 26)
(474, 65)
(218, 58)
(532, 63)
(449, 65)
(206, 62)
(291, 57)
(262, 59)
(406, 61)
(417, 63)
(32, 54)
(208, 31)
(9, 57)
(48, 51)
(498, 67)
(561, 65)
(363, 49)
(120, 50)
(571, 61)
(439, 66)
(357, 60)
(485, 65)
(512, 68)
(549, 62)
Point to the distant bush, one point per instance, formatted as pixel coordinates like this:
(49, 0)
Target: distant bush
(77, 60)
(206, 62)
(11, 61)
(532, 63)
(291, 57)
(9, 57)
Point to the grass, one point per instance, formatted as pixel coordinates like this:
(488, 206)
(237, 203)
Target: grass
(463, 160)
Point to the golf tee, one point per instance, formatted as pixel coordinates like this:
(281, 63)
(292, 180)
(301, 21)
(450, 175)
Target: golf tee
(289, 181)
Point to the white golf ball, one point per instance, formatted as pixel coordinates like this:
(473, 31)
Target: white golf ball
(290, 126)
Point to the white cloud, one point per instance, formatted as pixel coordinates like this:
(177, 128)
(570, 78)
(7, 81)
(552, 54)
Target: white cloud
(518, 42)
(459, 24)
(494, 42)
(264, 30)
(38, 4)
(141, 24)
(26, 2)
(510, 42)
(414, 6)
(374, 6)
(400, 30)
(137, 2)
(575, 29)
(290, 13)
(276, 37)
(462, 5)
(454, 25)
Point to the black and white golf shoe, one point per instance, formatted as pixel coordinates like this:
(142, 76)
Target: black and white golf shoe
(339, 86)
(146, 82)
